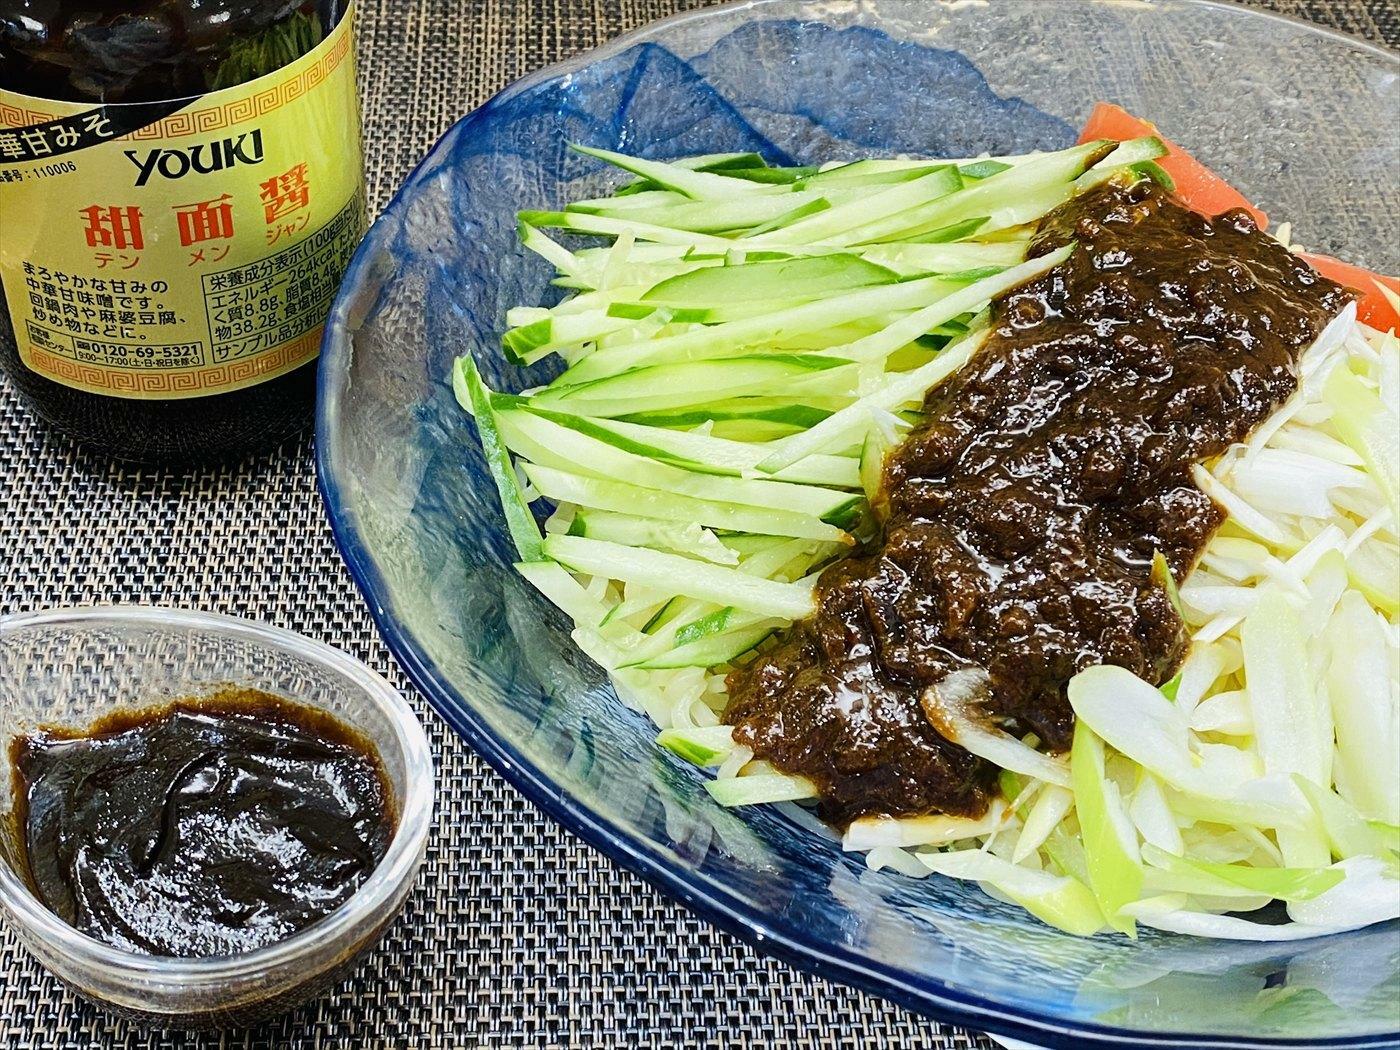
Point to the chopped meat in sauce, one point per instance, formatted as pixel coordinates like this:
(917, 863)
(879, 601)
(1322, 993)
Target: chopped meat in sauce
(1023, 514)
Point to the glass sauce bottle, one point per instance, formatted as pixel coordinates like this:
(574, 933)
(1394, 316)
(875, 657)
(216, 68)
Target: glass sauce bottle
(181, 188)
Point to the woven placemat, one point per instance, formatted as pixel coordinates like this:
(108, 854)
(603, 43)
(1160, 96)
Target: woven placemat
(518, 934)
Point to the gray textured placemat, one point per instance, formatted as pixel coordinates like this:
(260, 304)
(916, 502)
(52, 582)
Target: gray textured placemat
(518, 933)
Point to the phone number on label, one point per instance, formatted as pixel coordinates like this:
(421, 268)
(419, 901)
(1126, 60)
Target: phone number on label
(121, 355)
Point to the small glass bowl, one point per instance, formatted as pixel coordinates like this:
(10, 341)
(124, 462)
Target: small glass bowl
(71, 666)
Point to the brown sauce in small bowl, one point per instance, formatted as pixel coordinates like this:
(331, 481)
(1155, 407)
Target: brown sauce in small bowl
(207, 827)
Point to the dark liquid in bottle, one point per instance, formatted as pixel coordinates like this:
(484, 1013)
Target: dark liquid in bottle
(101, 51)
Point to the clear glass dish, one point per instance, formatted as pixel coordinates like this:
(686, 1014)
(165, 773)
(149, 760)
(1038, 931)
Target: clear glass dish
(69, 667)
(1301, 119)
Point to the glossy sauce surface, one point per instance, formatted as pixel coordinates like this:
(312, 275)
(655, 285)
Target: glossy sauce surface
(208, 828)
(1023, 514)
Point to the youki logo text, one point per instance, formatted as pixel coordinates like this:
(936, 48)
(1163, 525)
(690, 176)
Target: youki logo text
(202, 159)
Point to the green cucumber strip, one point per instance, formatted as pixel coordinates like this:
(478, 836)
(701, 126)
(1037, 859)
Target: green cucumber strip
(558, 331)
(613, 227)
(520, 343)
(752, 430)
(703, 452)
(549, 444)
(740, 213)
(640, 201)
(687, 576)
(721, 313)
(1156, 173)
(846, 425)
(869, 173)
(760, 788)
(755, 409)
(1134, 158)
(548, 249)
(736, 337)
(721, 161)
(684, 384)
(554, 582)
(971, 297)
(769, 175)
(1133, 151)
(747, 543)
(1021, 194)
(977, 273)
(770, 561)
(710, 652)
(596, 257)
(707, 746)
(662, 615)
(1020, 211)
(623, 498)
(630, 274)
(727, 162)
(688, 537)
(473, 396)
(938, 336)
(872, 462)
(698, 452)
(657, 605)
(716, 622)
(698, 185)
(786, 278)
(594, 301)
(944, 234)
(983, 169)
(631, 311)
(855, 214)
(912, 258)
(791, 216)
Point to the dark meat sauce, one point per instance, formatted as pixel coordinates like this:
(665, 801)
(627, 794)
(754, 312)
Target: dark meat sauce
(1023, 513)
(212, 827)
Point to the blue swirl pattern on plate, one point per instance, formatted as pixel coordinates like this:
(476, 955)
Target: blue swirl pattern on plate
(418, 521)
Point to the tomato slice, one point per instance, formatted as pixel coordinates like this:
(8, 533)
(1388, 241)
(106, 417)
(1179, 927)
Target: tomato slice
(1373, 308)
(1199, 187)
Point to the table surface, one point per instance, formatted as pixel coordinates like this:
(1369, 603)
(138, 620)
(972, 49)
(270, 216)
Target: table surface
(518, 933)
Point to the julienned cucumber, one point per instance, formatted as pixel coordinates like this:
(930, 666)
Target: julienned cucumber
(705, 747)
(760, 787)
(738, 338)
(713, 651)
(811, 277)
(698, 452)
(472, 395)
(546, 443)
(695, 579)
(621, 497)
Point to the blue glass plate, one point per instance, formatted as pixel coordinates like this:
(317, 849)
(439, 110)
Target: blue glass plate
(1294, 116)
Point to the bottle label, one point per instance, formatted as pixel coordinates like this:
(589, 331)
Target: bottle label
(191, 256)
